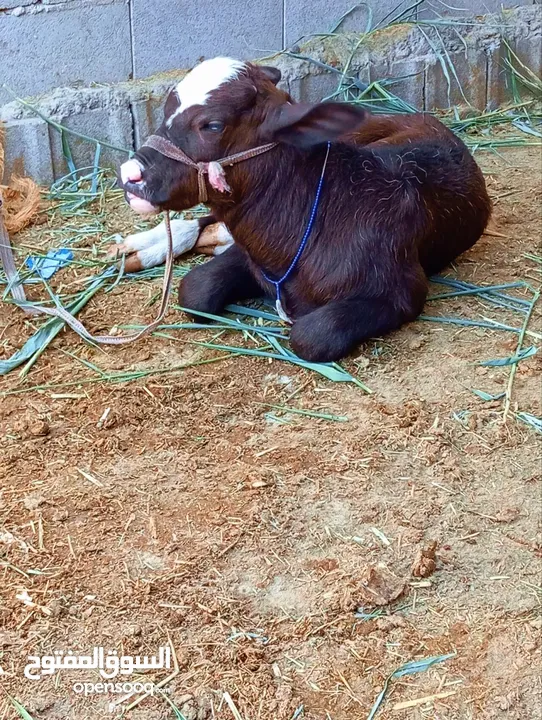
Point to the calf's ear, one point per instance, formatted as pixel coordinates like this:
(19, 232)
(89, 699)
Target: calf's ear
(172, 103)
(271, 73)
(304, 125)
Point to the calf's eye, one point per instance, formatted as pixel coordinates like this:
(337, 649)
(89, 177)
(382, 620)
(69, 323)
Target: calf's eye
(214, 126)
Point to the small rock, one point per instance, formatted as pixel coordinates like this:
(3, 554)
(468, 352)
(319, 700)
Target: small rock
(150, 560)
(425, 562)
(416, 342)
(182, 699)
(508, 515)
(32, 502)
(379, 586)
(325, 564)
(55, 606)
(506, 702)
(390, 622)
(39, 428)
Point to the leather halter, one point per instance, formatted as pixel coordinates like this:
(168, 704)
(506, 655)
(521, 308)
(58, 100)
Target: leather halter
(216, 167)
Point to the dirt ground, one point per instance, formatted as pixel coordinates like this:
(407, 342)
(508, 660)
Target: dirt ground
(251, 539)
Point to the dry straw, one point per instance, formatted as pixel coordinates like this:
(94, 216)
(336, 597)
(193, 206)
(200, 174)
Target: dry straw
(21, 198)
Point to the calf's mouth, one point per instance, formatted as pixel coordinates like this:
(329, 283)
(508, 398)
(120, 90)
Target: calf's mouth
(132, 182)
(136, 198)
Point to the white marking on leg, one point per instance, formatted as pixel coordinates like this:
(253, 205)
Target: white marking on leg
(196, 87)
(225, 240)
(142, 240)
(214, 239)
(184, 234)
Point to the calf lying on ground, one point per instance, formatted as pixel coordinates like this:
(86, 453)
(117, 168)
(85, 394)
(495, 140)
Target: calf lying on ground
(381, 202)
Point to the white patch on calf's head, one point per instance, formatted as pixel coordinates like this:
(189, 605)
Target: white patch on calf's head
(196, 87)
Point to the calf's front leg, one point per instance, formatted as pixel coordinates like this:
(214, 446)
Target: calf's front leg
(330, 332)
(149, 248)
(224, 279)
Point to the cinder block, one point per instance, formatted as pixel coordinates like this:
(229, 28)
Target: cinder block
(12, 4)
(70, 42)
(306, 17)
(113, 125)
(314, 88)
(498, 78)
(409, 82)
(146, 100)
(408, 79)
(529, 51)
(293, 87)
(169, 34)
(469, 88)
(147, 115)
(292, 71)
(364, 74)
(28, 150)
(523, 31)
(499, 86)
(477, 7)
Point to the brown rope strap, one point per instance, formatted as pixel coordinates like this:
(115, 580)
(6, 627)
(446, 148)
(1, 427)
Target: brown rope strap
(6, 258)
(170, 150)
(167, 148)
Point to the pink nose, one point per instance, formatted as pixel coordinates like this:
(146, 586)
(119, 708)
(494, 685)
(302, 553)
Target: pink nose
(131, 171)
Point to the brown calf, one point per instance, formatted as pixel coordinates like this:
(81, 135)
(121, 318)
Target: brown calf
(401, 197)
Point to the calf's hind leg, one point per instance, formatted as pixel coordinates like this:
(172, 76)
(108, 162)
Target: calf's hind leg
(210, 287)
(333, 330)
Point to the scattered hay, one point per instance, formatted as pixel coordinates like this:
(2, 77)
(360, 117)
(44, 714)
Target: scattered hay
(21, 203)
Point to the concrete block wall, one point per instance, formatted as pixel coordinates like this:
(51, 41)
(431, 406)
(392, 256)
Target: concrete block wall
(54, 43)
(43, 46)
(104, 102)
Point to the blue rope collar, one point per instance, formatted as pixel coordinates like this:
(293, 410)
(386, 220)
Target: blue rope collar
(277, 283)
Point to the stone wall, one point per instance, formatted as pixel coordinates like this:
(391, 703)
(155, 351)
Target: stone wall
(129, 39)
(55, 43)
